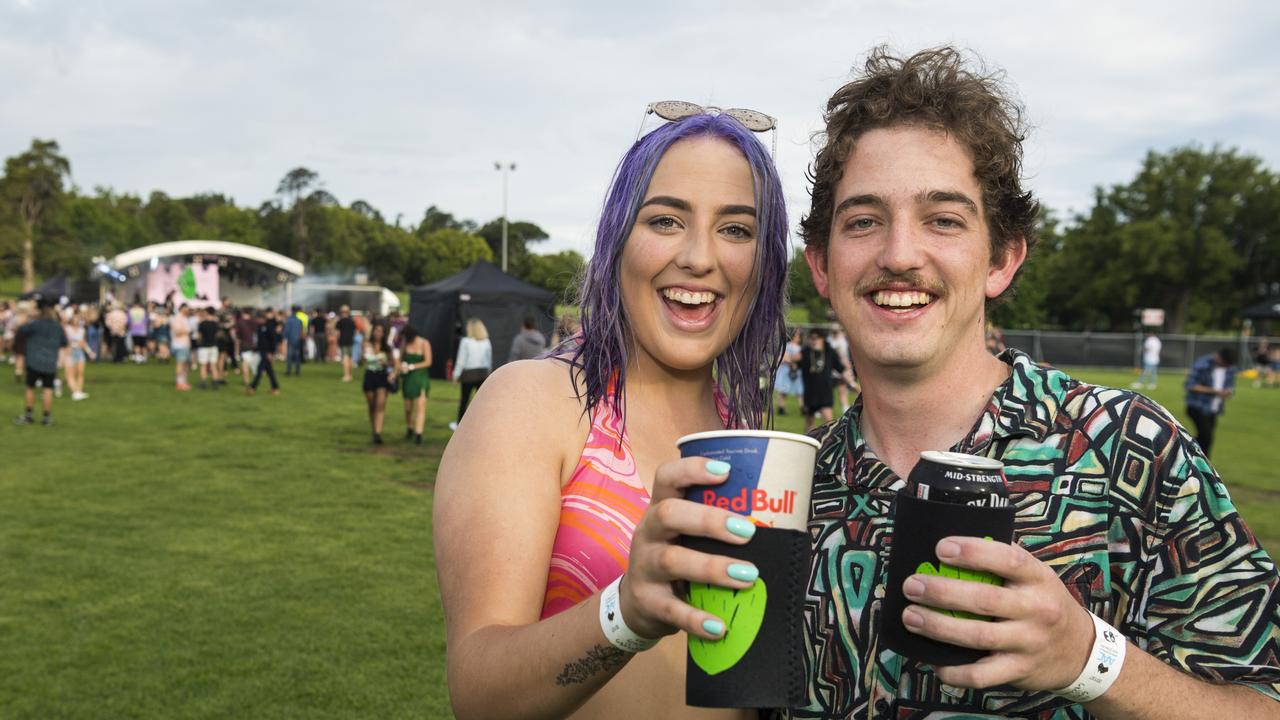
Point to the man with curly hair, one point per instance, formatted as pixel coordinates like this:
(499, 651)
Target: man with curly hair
(1132, 589)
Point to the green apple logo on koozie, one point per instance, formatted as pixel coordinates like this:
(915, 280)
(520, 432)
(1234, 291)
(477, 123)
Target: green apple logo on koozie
(949, 571)
(743, 614)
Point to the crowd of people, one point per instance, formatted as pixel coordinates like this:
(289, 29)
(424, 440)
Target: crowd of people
(207, 345)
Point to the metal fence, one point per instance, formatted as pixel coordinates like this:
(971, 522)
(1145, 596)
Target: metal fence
(1122, 350)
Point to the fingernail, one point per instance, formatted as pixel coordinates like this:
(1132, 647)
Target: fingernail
(713, 627)
(718, 467)
(912, 619)
(745, 573)
(740, 526)
(948, 550)
(913, 588)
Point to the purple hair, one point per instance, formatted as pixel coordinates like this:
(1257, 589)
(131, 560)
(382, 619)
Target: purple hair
(600, 357)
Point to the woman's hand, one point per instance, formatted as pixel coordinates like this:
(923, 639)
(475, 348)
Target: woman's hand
(649, 601)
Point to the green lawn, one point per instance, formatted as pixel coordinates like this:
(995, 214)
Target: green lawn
(212, 555)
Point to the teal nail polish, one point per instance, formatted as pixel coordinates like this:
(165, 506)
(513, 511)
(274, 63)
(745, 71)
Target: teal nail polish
(713, 627)
(740, 526)
(718, 467)
(745, 573)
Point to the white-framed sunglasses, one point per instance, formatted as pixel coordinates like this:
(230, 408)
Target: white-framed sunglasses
(753, 120)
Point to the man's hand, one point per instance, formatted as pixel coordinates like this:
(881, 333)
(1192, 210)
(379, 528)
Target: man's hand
(1039, 637)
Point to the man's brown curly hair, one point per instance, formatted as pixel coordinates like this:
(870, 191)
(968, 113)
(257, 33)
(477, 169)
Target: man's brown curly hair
(932, 89)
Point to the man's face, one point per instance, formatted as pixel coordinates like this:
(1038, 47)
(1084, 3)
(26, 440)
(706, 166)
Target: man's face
(907, 267)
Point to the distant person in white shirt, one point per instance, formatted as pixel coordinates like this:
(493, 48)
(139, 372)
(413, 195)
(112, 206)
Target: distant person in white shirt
(1150, 361)
(473, 364)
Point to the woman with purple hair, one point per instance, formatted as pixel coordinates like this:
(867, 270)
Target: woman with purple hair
(557, 501)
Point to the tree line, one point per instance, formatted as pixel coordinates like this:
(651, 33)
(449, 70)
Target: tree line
(48, 228)
(1195, 232)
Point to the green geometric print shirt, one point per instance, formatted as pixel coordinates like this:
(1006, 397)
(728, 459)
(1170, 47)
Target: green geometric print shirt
(1109, 491)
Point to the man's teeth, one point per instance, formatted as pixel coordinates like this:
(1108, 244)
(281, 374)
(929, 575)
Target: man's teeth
(887, 298)
(688, 298)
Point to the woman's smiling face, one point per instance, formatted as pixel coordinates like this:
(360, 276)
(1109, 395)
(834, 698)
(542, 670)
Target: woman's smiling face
(687, 268)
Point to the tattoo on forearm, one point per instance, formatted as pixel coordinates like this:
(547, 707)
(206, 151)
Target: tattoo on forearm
(601, 658)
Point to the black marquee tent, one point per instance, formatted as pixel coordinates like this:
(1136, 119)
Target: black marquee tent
(440, 310)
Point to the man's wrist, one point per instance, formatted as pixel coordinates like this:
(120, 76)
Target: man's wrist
(1106, 656)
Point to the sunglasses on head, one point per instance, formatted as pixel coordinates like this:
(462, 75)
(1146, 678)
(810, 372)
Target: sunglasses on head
(753, 120)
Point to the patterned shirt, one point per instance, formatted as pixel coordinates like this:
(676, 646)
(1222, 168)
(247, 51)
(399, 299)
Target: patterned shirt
(1109, 491)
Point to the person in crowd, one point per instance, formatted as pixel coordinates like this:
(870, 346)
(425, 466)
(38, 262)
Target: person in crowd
(788, 380)
(415, 383)
(357, 340)
(1111, 600)
(843, 380)
(6, 332)
(1263, 366)
(93, 330)
(1209, 384)
(180, 339)
(77, 351)
(117, 322)
(139, 331)
(819, 368)
(529, 343)
(320, 334)
(472, 365)
(1151, 347)
(346, 329)
(681, 307)
(266, 340)
(246, 334)
(379, 363)
(294, 331)
(22, 313)
(160, 341)
(228, 357)
(567, 327)
(305, 319)
(207, 348)
(41, 340)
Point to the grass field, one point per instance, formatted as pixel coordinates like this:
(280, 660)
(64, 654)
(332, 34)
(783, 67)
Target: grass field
(212, 555)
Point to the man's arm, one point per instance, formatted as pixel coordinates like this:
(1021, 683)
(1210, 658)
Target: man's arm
(1043, 639)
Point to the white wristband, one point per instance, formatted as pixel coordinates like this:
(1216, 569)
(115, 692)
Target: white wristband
(1103, 667)
(615, 629)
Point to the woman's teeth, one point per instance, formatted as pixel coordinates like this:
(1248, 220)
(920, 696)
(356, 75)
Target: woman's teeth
(895, 299)
(688, 298)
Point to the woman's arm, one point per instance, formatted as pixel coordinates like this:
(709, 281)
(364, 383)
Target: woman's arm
(497, 507)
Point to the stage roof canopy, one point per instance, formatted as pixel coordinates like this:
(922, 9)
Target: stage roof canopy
(185, 248)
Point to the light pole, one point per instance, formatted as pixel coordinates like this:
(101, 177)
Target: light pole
(504, 168)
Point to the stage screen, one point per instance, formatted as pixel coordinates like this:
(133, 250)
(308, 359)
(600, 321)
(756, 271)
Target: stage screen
(194, 285)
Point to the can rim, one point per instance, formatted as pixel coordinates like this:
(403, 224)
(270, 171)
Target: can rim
(954, 458)
(774, 434)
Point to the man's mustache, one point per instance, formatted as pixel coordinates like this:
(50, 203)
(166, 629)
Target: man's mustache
(912, 279)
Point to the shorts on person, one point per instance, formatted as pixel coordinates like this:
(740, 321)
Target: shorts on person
(35, 379)
(77, 356)
(250, 358)
(344, 351)
(788, 381)
(182, 353)
(207, 355)
(375, 380)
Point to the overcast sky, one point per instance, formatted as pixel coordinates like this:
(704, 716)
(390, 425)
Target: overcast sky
(408, 104)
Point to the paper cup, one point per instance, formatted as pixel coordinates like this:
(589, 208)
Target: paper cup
(759, 660)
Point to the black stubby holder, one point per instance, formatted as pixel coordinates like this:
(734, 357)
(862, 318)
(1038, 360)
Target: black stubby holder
(771, 671)
(918, 525)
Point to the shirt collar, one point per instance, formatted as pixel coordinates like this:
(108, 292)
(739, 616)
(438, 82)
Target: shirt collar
(1024, 405)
